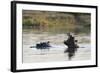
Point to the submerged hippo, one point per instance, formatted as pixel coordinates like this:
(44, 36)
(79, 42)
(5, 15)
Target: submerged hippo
(72, 46)
(42, 45)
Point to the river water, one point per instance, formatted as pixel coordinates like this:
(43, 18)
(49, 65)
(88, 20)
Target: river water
(56, 53)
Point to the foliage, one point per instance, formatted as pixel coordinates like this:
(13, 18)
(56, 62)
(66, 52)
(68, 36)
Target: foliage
(59, 21)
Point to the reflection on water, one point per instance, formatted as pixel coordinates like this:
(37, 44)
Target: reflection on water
(56, 53)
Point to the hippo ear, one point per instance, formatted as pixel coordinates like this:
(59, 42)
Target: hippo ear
(65, 42)
(76, 40)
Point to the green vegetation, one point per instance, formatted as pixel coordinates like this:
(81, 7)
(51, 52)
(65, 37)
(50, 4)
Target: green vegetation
(57, 21)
